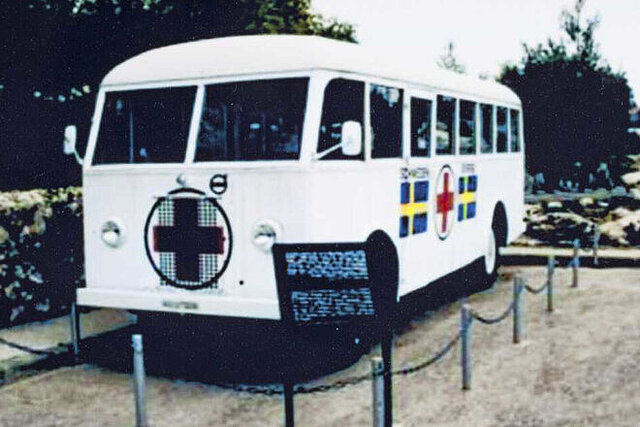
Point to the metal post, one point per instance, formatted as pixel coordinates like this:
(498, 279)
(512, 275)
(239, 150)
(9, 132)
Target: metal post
(139, 377)
(387, 353)
(76, 333)
(377, 370)
(517, 327)
(288, 405)
(551, 265)
(575, 263)
(596, 246)
(465, 325)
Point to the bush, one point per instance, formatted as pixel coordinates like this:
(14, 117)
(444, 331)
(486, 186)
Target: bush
(41, 253)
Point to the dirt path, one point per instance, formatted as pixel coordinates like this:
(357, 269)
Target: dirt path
(577, 366)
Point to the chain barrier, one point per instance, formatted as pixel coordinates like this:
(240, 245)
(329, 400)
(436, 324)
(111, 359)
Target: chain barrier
(488, 321)
(34, 351)
(536, 291)
(276, 389)
(265, 390)
(300, 389)
(446, 349)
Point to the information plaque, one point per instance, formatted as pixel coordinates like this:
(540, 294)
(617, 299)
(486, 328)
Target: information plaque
(338, 283)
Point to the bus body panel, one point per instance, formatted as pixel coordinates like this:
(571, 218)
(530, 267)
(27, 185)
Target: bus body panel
(309, 200)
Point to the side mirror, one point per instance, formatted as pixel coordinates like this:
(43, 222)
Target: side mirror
(351, 139)
(69, 144)
(70, 136)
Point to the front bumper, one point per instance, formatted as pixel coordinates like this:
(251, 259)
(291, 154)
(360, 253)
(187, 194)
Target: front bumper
(182, 303)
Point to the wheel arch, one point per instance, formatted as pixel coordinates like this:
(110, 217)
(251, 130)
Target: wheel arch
(499, 223)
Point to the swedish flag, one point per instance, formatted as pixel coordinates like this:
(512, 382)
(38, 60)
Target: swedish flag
(467, 187)
(413, 207)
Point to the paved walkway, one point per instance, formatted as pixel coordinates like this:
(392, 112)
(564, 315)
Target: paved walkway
(53, 333)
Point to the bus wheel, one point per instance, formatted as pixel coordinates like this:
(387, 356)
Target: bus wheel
(491, 258)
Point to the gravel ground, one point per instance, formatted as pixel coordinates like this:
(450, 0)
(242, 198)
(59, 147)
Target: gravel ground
(577, 366)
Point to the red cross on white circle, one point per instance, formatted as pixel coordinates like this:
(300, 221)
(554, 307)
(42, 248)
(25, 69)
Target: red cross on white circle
(444, 202)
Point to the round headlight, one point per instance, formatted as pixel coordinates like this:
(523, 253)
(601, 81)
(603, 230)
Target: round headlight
(265, 234)
(112, 233)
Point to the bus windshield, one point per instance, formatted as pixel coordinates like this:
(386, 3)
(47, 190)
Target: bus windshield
(252, 120)
(145, 126)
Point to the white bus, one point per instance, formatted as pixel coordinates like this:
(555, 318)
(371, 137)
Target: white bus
(202, 155)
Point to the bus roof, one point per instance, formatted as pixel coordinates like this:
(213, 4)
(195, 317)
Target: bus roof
(230, 56)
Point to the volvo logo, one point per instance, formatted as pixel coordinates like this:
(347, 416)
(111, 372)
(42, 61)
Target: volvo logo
(218, 184)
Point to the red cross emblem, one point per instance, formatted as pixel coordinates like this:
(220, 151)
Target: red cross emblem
(188, 239)
(444, 201)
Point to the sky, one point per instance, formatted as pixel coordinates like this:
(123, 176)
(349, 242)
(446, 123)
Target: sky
(488, 33)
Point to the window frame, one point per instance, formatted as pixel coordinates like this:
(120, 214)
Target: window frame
(518, 130)
(96, 123)
(475, 126)
(456, 112)
(421, 96)
(256, 81)
(403, 116)
(508, 129)
(316, 79)
(492, 133)
(314, 148)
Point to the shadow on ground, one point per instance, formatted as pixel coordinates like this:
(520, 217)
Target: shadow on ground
(214, 350)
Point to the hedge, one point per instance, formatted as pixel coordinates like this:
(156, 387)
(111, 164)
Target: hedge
(41, 253)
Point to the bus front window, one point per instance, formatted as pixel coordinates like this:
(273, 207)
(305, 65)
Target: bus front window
(254, 120)
(145, 126)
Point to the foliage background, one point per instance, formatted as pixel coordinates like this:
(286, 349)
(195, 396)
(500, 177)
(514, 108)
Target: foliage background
(54, 53)
(41, 253)
(576, 107)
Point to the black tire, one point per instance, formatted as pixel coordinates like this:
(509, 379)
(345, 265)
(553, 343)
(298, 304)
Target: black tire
(491, 261)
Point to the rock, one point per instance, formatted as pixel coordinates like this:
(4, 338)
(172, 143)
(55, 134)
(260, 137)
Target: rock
(554, 206)
(632, 178)
(4, 235)
(618, 191)
(560, 228)
(623, 227)
(586, 201)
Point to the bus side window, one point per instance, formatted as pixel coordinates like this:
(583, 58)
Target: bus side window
(343, 101)
(386, 121)
(467, 127)
(420, 127)
(445, 129)
(502, 130)
(486, 131)
(515, 131)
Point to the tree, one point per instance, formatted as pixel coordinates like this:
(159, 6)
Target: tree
(55, 52)
(448, 60)
(575, 106)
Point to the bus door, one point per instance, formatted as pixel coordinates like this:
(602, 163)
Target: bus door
(425, 255)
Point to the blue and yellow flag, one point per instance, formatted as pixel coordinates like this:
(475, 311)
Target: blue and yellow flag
(413, 207)
(467, 187)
